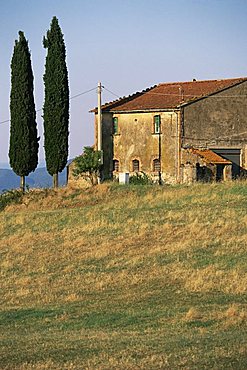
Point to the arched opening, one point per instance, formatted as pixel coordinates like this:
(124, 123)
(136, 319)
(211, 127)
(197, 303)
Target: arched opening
(135, 165)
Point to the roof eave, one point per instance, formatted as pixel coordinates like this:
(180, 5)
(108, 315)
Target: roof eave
(219, 162)
(143, 110)
(211, 94)
(136, 110)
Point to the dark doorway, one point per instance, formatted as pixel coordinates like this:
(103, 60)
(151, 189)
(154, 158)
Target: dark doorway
(219, 172)
(203, 173)
(232, 155)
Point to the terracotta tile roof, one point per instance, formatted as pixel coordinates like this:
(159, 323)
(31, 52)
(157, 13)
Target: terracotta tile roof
(170, 95)
(209, 156)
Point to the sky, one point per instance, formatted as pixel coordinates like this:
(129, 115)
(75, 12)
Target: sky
(127, 45)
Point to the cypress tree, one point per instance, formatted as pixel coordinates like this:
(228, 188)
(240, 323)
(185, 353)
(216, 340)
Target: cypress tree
(56, 105)
(23, 148)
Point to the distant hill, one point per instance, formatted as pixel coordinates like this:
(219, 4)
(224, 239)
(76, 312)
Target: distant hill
(37, 179)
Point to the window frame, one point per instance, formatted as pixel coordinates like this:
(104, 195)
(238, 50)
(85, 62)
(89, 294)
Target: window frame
(134, 163)
(115, 168)
(157, 124)
(115, 127)
(156, 162)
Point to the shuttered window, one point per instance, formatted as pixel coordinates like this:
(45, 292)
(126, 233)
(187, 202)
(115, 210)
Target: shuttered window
(135, 165)
(115, 125)
(156, 165)
(116, 165)
(157, 124)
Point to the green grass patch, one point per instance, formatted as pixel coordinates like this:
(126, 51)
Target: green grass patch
(125, 277)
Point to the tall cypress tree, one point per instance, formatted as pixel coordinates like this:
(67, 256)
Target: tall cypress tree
(23, 148)
(56, 105)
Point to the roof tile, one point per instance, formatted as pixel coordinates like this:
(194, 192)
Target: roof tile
(170, 95)
(209, 156)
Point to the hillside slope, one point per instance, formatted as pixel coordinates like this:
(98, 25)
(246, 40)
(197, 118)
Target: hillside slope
(125, 277)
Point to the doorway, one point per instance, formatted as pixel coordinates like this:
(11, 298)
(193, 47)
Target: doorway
(232, 155)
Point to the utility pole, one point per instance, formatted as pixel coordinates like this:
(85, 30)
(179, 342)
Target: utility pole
(99, 118)
(160, 178)
(99, 146)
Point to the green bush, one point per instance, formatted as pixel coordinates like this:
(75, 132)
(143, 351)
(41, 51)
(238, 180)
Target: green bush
(140, 179)
(88, 164)
(10, 197)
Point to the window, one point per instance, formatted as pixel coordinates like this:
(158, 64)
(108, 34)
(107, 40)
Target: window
(116, 165)
(135, 165)
(156, 165)
(115, 125)
(157, 124)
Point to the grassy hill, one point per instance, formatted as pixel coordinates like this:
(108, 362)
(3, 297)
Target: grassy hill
(125, 277)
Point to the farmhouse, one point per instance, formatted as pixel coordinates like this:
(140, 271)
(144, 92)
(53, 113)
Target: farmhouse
(177, 132)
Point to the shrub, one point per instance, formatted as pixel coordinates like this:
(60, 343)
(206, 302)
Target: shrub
(140, 179)
(10, 197)
(88, 165)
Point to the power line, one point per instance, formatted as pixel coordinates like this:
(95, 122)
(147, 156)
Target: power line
(83, 93)
(72, 97)
(181, 94)
(219, 138)
(7, 120)
(184, 137)
(198, 97)
(111, 92)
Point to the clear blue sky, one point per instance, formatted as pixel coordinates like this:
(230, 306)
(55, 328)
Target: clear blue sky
(128, 45)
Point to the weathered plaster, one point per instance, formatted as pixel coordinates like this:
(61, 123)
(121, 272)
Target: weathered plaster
(136, 140)
(218, 121)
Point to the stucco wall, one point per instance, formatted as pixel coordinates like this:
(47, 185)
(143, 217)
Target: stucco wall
(194, 168)
(219, 121)
(78, 181)
(107, 142)
(136, 140)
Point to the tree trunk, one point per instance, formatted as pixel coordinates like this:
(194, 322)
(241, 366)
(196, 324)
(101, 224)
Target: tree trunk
(55, 180)
(22, 184)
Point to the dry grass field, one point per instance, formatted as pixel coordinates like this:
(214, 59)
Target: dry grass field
(125, 277)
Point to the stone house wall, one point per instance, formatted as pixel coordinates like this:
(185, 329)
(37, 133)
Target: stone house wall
(136, 140)
(218, 121)
(195, 168)
(81, 181)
